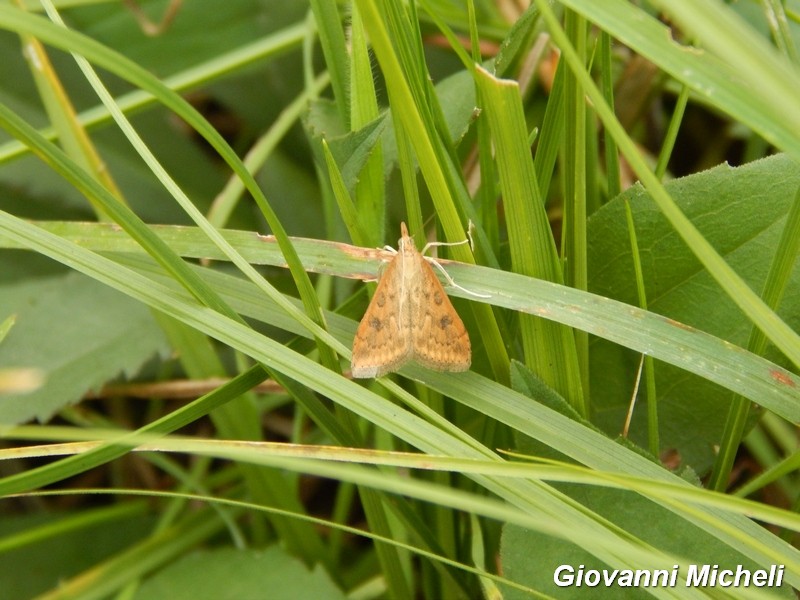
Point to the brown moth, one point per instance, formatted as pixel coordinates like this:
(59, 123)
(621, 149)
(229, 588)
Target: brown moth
(410, 317)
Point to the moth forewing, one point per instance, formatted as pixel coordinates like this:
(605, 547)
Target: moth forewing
(439, 338)
(382, 342)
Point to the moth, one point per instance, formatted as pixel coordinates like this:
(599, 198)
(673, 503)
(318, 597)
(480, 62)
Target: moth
(410, 317)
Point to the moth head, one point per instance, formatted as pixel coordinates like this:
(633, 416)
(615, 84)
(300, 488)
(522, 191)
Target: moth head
(405, 240)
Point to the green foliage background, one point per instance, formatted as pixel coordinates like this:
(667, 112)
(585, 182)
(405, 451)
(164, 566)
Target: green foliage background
(133, 251)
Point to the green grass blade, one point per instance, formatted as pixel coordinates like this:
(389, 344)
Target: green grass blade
(332, 40)
(549, 349)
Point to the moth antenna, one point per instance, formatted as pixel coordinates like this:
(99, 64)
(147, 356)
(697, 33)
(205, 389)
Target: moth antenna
(437, 244)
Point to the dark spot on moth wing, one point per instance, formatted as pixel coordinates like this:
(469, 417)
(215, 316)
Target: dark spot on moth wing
(381, 343)
(379, 347)
(441, 341)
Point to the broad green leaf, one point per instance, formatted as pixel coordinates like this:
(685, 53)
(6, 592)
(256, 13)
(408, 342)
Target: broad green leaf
(230, 574)
(741, 212)
(78, 334)
(352, 151)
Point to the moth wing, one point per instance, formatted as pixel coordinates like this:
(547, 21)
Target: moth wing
(383, 341)
(440, 340)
